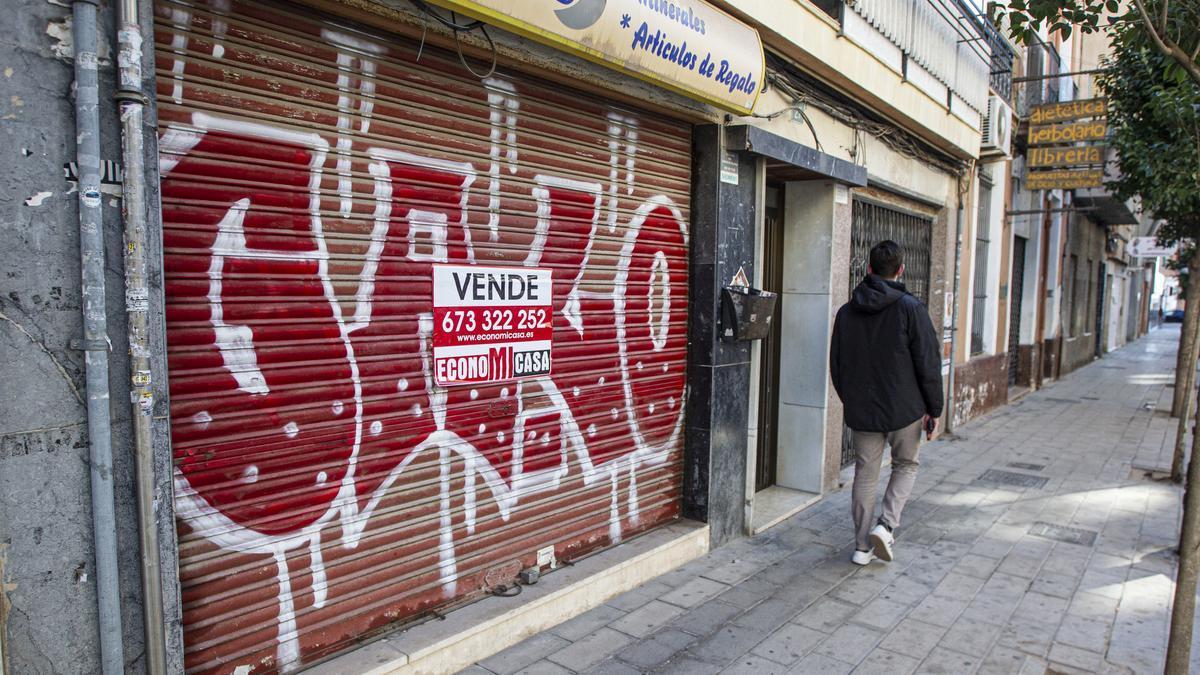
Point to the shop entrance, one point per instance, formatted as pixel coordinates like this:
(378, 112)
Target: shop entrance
(768, 390)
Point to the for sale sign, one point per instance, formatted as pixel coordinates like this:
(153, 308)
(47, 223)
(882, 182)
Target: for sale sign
(491, 323)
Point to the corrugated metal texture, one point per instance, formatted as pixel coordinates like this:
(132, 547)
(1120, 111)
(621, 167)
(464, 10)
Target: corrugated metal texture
(313, 173)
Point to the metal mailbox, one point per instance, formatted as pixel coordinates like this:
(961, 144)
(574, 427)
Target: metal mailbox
(746, 313)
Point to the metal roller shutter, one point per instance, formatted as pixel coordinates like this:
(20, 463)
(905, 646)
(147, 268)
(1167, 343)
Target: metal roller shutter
(313, 175)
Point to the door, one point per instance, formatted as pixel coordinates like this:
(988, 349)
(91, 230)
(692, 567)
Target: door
(871, 223)
(1016, 297)
(338, 471)
(768, 396)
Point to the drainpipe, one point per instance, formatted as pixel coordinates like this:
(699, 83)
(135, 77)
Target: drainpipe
(131, 100)
(95, 333)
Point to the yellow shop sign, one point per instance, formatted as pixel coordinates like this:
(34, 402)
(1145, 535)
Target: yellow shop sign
(687, 46)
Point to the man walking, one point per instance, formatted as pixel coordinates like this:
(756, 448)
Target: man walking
(886, 367)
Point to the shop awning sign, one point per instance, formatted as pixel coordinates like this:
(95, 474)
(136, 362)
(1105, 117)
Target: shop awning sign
(491, 324)
(1070, 155)
(687, 46)
(1064, 179)
(1147, 247)
(1049, 113)
(1094, 130)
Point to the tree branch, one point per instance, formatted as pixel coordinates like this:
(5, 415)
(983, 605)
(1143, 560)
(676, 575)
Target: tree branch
(1162, 22)
(1167, 46)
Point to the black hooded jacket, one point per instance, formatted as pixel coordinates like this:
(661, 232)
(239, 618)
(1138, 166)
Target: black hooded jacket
(885, 358)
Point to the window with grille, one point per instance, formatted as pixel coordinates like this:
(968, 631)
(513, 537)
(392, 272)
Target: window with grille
(982, 244)
(1090, 310)
(1072, 291)
(874, 222)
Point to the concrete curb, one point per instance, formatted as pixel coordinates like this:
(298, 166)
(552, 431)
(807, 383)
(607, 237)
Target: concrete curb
(477, 631)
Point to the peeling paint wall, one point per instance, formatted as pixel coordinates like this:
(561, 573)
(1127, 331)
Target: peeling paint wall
(980, 385)
(48, 603)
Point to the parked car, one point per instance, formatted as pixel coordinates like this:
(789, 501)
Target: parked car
(1173, 316)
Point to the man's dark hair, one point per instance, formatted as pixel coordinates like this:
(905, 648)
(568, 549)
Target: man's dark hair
(886, 259)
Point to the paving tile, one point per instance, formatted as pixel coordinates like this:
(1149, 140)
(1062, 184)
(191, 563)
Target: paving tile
(1094, 606)
(913, 638)
(1085, 633)
(751, 664)
(826, 614)
(544, 668)
(591, 649)
(970, 637)
(857, 590)
(939, 611)
(1058, 585)
(685, 665)
(906, 590)
(634, 598)
(524, 653)
(881, 614)
(975, 565)
(850, 643)
(614, 667)
(884, 662)
(649, 654)
(1020, 565)
(1041, 607)
(1003, 661)
(819, 664)
(1075, 657)
(748, 593)
(768, 615)
(705, 619)
(646, 619)
(961, 586)
(694, 592)
(727, 644)
(788, 644)
(587, 622)
(945, 662)
(1027, 637)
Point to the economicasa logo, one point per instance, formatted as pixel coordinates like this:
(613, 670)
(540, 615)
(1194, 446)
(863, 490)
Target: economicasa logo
(579, 14)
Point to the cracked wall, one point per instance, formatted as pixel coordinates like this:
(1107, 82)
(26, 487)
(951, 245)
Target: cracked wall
(49, 596)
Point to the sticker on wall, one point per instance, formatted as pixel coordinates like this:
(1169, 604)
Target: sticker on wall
(729, 168)
(491, 323)
(841, 194)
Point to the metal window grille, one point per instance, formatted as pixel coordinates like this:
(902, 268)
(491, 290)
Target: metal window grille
(1072, 292)
(982, 244)
(872, 223)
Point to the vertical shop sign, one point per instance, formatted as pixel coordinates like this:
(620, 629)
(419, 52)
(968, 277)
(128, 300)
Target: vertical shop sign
(491, 323)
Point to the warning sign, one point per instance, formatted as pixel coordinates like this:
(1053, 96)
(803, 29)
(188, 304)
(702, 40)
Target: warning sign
(491, 323)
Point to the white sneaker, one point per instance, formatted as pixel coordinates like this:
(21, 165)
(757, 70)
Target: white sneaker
(862, 557)
(882, 540)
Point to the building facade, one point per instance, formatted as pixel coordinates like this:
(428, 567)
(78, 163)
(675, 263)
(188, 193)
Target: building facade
(425, 301)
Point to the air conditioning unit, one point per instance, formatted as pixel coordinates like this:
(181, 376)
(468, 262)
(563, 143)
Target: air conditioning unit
(997, 129)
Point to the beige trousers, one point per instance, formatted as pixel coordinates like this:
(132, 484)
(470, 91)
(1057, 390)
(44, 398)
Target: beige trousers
(868, 450)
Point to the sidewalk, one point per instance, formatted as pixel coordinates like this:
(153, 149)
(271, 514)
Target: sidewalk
(1032, 544)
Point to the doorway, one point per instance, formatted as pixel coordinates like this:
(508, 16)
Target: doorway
(768, 380)
(1017, 294)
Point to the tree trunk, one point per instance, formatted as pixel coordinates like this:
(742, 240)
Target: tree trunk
(1185, 362)
(1188, 402)
(1179, 648)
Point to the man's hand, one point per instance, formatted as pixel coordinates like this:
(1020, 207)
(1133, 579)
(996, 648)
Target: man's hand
(929, 424)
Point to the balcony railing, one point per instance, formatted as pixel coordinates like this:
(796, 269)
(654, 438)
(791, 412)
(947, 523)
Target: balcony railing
(945, 38)
(1042, 59)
